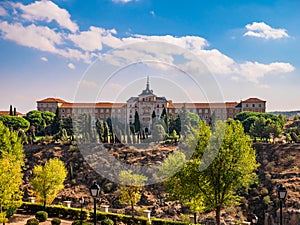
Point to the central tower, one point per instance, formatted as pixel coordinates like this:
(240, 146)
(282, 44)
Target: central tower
(144, 105)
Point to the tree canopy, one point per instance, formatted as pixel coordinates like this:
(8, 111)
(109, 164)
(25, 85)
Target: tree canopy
(11, 161)
(130, 188)
(223, 163)
(48, 180)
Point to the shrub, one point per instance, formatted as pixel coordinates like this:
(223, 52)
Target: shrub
(76, 222)
(42, 216)
(107, 221)
(55, 221)
(32, 221)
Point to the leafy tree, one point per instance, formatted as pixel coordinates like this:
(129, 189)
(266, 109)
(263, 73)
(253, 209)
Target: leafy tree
(247, 123)
(48, 180)
(222, 164)
(257, 128)
(130, 188)
(11, 161)
(14, 122)
(158, 133)
(35, 119)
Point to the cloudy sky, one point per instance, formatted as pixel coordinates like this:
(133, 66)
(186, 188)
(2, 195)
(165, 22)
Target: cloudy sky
(248, 48)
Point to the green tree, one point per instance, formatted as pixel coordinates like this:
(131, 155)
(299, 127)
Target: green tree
(48, 180)
(258, 127)
(222, 164)
(10, 110)
(158, 132)
(14, 122)
(130, 188)
(56, 126)
(137, 122)
(11, 161)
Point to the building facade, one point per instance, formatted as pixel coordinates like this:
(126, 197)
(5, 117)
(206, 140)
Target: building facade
(147, 104)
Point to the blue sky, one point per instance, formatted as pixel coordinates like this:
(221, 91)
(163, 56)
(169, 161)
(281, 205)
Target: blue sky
(233, 49)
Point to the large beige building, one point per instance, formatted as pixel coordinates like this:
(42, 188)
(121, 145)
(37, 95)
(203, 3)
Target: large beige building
(146, 103)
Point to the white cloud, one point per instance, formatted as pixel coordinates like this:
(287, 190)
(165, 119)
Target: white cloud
(47, 11)
(2, 11)
(262, 30)
(42, 38)
(253, 71)
(71, 66)
(44, 59)
(88, 84)
(93, 39)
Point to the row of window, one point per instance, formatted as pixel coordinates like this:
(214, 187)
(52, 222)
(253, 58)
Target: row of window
(79, 110)
(253, 105)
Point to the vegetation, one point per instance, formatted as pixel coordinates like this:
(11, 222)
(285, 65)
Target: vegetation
(48, 180)
(261, 125)
(32, 221)
(14, 122)
(223, 163)
(130, 188)
(11, 161)
(41, 216)
(55, 221)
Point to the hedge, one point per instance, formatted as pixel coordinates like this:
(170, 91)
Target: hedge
(74, 214)
(58, 211)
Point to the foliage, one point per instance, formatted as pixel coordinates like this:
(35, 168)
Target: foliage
(107, 221)
(11, 161)
(130, 188)
(261, 125)
(32, 221)
(55, 221)
(137, 122)
(55, 210)
(48, 180)
(223, 163)
(40, 120)
(74, 213)
(14, 122)
(41, 216)
(158, 132)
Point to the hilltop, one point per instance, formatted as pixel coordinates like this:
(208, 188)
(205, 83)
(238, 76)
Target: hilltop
(278, 164)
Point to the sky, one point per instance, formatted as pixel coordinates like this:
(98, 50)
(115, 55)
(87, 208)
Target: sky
(192, 50)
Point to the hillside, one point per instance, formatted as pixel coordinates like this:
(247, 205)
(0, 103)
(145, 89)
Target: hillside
(279, 163)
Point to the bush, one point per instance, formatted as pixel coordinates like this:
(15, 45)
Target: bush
(76, 222)
(42, 216)
(55, 221)
(107, 221)
(32, 221)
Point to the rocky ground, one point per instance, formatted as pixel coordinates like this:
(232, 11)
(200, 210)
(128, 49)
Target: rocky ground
(279, 164)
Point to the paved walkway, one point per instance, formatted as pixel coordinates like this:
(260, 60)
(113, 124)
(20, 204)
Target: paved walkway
(20, 219)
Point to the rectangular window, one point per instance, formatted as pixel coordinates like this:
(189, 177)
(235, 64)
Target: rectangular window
(253, 105)
(206, 111)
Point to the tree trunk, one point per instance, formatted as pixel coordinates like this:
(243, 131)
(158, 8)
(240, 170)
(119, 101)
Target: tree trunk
(218, 215)
(132, 210)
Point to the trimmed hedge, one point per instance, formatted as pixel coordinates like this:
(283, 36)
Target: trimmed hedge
(58, 211)
(74, 214)
(41, 216)
(32, 221)
(55, 221)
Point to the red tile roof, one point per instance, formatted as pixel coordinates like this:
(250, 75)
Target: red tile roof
(92, 105)
(250, 100)
(7, 113)
(51, 100)
(214, 105)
